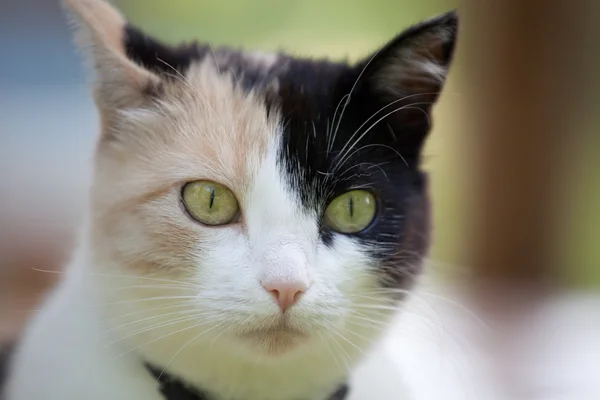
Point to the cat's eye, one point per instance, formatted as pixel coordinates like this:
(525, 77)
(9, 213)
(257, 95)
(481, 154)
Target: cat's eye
(351, 212)
(210, 203)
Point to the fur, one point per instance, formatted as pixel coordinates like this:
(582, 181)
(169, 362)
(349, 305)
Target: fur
(286, 136)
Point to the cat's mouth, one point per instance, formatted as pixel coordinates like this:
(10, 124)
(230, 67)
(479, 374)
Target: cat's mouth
(275, 339)
(274, 332)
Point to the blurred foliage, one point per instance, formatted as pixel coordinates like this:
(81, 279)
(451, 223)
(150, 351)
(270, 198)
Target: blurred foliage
(582, 227)
(310, 27)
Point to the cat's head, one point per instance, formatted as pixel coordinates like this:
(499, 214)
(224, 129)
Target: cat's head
(273, 200)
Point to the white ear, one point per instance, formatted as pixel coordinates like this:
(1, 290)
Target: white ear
(100, 31)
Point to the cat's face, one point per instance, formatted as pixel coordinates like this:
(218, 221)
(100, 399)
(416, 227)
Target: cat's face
(269, 200)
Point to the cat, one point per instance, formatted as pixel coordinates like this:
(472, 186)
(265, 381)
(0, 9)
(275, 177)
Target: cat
(256, 221)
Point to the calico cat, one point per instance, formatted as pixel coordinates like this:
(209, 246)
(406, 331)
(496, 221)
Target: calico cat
(255, 221)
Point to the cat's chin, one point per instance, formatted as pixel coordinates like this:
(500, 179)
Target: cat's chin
(275, 342)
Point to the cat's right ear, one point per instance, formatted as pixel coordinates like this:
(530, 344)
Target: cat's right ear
(101, 32)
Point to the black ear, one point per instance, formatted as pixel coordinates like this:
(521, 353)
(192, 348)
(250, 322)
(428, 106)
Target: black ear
(404, 79)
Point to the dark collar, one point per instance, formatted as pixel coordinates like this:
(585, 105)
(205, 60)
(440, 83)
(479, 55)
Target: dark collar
(175, 389)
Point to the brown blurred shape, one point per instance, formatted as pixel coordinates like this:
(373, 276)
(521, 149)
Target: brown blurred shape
(525, 72)
(526, 76)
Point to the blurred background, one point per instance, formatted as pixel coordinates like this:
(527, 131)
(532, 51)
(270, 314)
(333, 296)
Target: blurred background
(48, 126)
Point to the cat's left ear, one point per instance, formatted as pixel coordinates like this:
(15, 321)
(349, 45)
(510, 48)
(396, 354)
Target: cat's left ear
(404, 79)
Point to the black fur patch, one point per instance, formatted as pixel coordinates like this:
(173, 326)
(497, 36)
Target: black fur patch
(159, 57)
(172, 62)
(338, 137)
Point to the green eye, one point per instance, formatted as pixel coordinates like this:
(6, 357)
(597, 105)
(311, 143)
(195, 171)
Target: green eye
(210, 203)
(351, 212)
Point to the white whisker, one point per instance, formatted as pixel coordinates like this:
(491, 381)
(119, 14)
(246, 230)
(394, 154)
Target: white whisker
(170, 306)
(349, 342)
(190, 317)
(184, 346)
(343, 156)
(146, 299)
(165, 287)
(157, 339)
(185, 312)
(333, 356)
(349, 95)
(339, 347)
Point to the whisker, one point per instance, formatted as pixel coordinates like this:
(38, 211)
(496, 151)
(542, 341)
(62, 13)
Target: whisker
(344, 157)
(157, 339)
(331, 138)
(147, 278)
(370, 324)
(339, 347)
(451, 302)
(455, 337)
(386, 106)
(367, 340)
(133, 301)
(185, 312)
(375, 145)
(219, 335)
(179, 304)
(184, 346)
(349, 342)
(356, 315)
(47, 271)
(212, 49)
(417, 297)
(190, 317)
(349, 96)
(370, 165)
(333, 356)
(169, 286)
(430, 323)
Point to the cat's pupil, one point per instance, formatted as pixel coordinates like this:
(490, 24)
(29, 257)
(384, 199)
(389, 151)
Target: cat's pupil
(351, 206)
(212, 197)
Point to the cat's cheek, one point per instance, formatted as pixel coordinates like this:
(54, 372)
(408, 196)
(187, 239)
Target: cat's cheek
(345, 270)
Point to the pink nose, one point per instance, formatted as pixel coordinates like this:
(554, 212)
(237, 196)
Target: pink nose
(286, 294)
